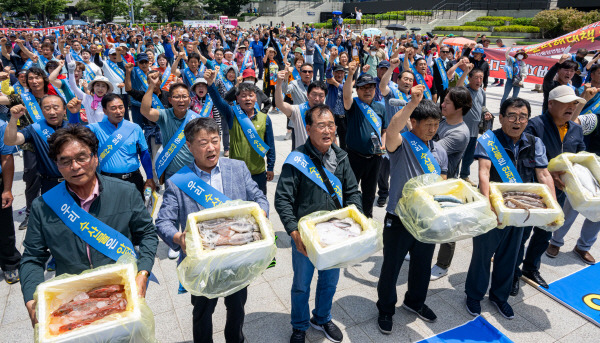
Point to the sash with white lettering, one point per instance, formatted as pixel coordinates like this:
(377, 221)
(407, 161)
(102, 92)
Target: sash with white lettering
(304, 164)
(115, 68)
(90, 229)
(296, 74)
(32, 106)
(252, 136)
(207, 107)
(426, 159)
(174, 145)
(142, 77)
(165, 76)
(592, 106)
(44, 60)
(440, 65)
(421, 81)
(43, 130)
(303, 108)
(189, 76)
(192, 185)
(27, 64)
(89, 73)
(371, 116)
(245, 61)
(115, 141)
(460, 74)
(503, 164)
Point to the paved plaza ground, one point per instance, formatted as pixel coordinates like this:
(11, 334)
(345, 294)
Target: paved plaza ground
(538, 318)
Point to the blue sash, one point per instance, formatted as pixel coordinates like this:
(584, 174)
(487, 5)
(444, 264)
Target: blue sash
(440, 65)
(245, 60)
(318, 48)
(114, 67)
(508, 69)
(44, 60)
(27, 64)
(89, 73)
(370, 115)
(190, 77)
(115, 141)
(174, 145)
(304, 164)
(460, 73)
(203, 193)
(17, 86)
(108, 241)
(207, 107)
(142, 77)
(426, 159)
(503, 164)
(296, 74)
(43, 130)
(303, 108)
(165, 76)
(396, 92)
(592, 106)
(228, 84)
(252, 136)
(32, 106)
(421, 81)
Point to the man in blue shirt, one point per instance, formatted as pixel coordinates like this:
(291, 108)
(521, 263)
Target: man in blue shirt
(122, 163)
(9, 255)
(258, 48)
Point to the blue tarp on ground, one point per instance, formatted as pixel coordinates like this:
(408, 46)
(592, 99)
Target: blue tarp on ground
(477, 330)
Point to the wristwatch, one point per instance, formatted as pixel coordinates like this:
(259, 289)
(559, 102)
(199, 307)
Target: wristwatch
(143, 272)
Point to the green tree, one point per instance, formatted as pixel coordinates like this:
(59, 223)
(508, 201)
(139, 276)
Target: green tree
(171, 9)
(140, 12)
(547, 21)
(25, 8)
(102, 9)
(49, 9)
(228, 7)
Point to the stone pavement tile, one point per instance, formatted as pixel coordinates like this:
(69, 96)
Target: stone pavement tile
(339, 317)
(448, 316)
(358, 302)
(587, 333)
(262, 299)
(5, 287)
(351, 334)
(3, 301)
(368, 270)
(158, 302)
(406, 329)
(15, 310)
(284, 262)
(17, 332)
(167, 327)
(282, 287)
(518, 329)
(549, 315)
(350, 277)
(456, 297)
(272, 328)
(184, 318)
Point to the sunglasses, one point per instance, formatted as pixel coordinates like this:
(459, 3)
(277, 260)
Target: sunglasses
(306, 71)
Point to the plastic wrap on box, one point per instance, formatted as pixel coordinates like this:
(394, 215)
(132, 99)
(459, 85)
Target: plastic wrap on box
(134, 325)
(224, 271)
(580, 198)
(351, 251)
(549, 219)
(429, 223)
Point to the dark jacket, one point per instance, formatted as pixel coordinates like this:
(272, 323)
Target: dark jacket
(119, 206)
(544, 127)
(297, 195)
(524, 161)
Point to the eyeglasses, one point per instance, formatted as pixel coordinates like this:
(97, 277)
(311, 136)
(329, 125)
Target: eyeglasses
(444, 52)
(180, 97)
(80, 159)
(306, 71)
(323, 126)
(514, 118)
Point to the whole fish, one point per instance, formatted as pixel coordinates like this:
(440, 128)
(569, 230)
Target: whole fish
(448, 200)
(587, 179)
(222, 232)
(337, 230)
(523, 201)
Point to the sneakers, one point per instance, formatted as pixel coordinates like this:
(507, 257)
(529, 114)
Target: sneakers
(552, 251)
(332, 332)
(385, 323)
(273, 263)
(173, 254)
(473, 307)
(424, 313)
(437, 272)
(381, 201)
(585, 256)
(11, 276)
(407, 257)
(23, 225)
(298, 336)
(504, 308)
(226, 153)
(51, 266)
(470, 182)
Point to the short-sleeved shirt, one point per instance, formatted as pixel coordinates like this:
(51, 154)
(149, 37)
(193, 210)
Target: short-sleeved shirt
(454, 139)
(124, 160)
(45, 165)
(404, 166)
(541, 160)
(168, 124)
(299, 127)
(473, 117)
(5, 149)
(359, 129)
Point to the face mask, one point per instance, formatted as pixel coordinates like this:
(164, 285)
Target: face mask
(519, 57)
(373, 53)
(249, 81)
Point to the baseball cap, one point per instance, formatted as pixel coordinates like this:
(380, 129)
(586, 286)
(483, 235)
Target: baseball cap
(338, 67)
(142, 57)
(478, 51)
(383, 64)
(248, 73)
(364, 80)
(112, 51)
(565, 94)
(199, 81)
(298, 50)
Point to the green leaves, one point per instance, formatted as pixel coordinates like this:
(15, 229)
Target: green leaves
(229, 8)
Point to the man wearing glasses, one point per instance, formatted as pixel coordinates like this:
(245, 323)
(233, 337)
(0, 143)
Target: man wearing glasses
(441, 65)
(298, 89)
(365, 137)
(529, 162)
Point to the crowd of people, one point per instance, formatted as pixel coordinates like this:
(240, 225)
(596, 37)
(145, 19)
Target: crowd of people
(89, 107)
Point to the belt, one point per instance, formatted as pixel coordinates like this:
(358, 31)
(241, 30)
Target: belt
(123, 176)
(53, 178)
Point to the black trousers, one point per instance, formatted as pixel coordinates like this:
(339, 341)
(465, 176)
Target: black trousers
(503, 245)
(342, 127)
(261, 181)
(10, 257)
(366, 170)
(48, 184)
(532, 259)
(383, 179)
(136, 178)
(31, 177)
(202, 317)
(397, 241)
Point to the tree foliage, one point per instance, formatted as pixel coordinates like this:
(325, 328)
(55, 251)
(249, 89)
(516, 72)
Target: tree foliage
(227, 7)
(42, 9)
(105, 10)
(557, 22)
(171, 9)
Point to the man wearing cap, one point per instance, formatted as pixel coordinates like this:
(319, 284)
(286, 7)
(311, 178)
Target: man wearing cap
(316, 94)
(137, 74)
(335, 100)
(15, 57)
(479, 63)
(366, 125)
(559, 134)
(158, 47)
(112, 69)
(319, 59)
(559, 74)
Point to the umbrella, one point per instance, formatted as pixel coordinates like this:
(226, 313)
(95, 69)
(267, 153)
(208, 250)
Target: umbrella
(75, 22)
(371, 32)
(229, 27)
(396, 27)
(337, 12)
(415, 28)
(458, 41)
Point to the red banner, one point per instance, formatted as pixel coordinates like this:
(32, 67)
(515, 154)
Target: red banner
(587, 37)
(537, 66)
(44, 30)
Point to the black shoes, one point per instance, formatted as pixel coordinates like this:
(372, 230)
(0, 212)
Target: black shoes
(473, 307)
(298, 336)
(535, 277)
(331, 331)
(504, 308)
(385, 323)
(514, 290)
(381, 201)
(424, 313)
